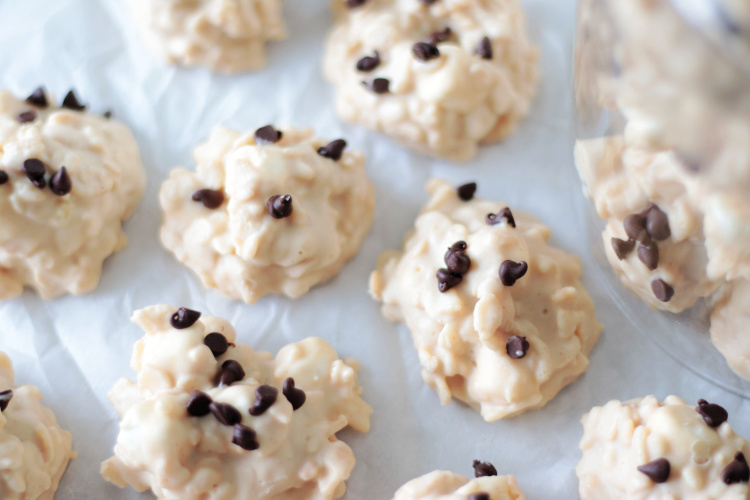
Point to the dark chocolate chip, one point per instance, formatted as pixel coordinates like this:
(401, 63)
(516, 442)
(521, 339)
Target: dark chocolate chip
(425, 51)
(622, 247)
(657, 471)
(428, 2)
(26, 116)
(662, 290)
(3, 177)
(369, 63)
(184, 318)
(38, 98)
(517, 347)
(713, 414)
(649, 255)
(478, 496)
(107, 114)
(41, 183)
(657, 224)
(267, 135)
(484, 50)
(482, 469)
(244, 437)
(737, 471)
(456, 259)
(511, 271)
(210, 198)
(333, 149)
(71, 102)
(5, 398)
(635, 227)
(440, 36)
(231, 372)
(265, 396)
(279, 206)
(447, 280)
(225, 414)
(503, 215)
(198, 404)
(355, 3)
(295, 396)
(34, 168)
(379, 85)
(217, 343)
(466, 191)
(60, 183)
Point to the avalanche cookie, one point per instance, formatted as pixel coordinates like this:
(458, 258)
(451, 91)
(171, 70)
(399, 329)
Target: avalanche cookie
(228, 36)
(442, 485)
(646, 450)
(68, 179)
(440, 76)
(34, 450)
(267, 212)
(729, 321)
(211, 418)
(499, 318)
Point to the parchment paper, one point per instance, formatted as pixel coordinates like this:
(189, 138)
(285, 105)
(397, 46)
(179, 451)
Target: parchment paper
(75, 348)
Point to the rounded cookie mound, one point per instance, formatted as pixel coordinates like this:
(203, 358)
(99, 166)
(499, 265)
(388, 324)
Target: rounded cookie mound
(646, 450)
(211, 418)
(34, 450)
(443, 485)
(68, 179)
(499, 318)
(440, 77)
(269, 212)
(729, 320)
(228, 36)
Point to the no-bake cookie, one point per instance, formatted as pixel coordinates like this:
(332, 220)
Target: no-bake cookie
(270, 211)
(729, 326)
(443, 485)
(499, 318)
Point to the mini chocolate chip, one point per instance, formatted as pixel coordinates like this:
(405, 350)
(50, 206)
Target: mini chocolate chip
(737, 471)
(60, 183)
(38, 98)
(511, 271)
(244, 437)
(447, 280)
(279, 206)
(26, 116)
(5, 398)
(517, 347)
(184, 318)
(3, 177)
(225, 414)
(210, 198)
(295, 396)
(456, 259)
(379, 85)
(440, 36)
(504, 214)
(231, 372)
(265, 396)
(107, 114)
(466, 191)
(369, 63)
(482, 469)
(713, 414)
(198, 404)
(267, 135)
(71, 102)
(657, 471)
(622, 247)
(478, 496)
(428, 2)
(649, 255)
(34, 168)
(425, 51)
(635, 227)
(333, 149)
(657, 224)
(41, 183)
(355, 3)
(484, 50)
(217, 343)
(662, 290)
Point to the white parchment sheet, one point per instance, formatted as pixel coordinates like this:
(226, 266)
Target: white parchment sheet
(75, 348)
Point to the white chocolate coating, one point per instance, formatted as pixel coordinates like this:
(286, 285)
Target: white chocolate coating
(34, 450)
(619, 437)
(57, 244)
(227, 36)
(176, 455)
(729, 326)
(461, 334)
(443, 485)
(238, 248)
(444, 107)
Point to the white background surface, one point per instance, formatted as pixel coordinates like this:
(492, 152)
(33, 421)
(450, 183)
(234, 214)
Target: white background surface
(75, 348)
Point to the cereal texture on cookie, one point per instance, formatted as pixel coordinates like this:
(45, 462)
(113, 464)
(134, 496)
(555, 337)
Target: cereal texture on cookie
(227, 36)
(499, 318)
(443, 485)
(729, 326)
(440, 77)
(212, 418)
(68, 180)
(34, 450)
(269, 212)
(646, 450)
